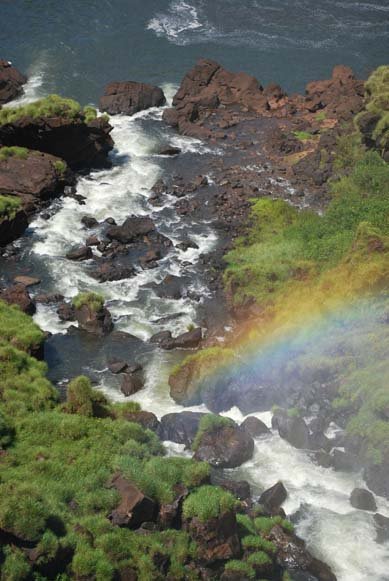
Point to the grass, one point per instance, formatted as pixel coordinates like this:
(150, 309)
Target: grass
(208, 502)
(14, 151)
(51, 106)
(377, 103)
(9, 206)
(60, 166)
(210, 423)
(240, 567)
(303, 135)
(82, 399)
(257, 543)
(94, 301)
(18, 329)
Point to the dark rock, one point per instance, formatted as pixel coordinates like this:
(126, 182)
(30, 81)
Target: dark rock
(95, 322)
(65, 312)
(18, 295)
(92, 241)
(377, 477)
(170, 150)
(131, 384)
(79, 254)
(293, 555)
(49, 298)
(12, 228)
(180, 427)
(345, 461)
(134, 508)
(382, 526)
(225, 447)
(254, 427)
(188, 340)
(187, 244)
(323, 459)
(117, 366)
(170, 515)
(239, 488)
(363, 499)
(80, 145)
(129, 97)
(89, 222)
(134, 228)
(172, 287)
(161, 337)
(11, 82)
(217, 538)
(292, 429)
(274, 497)
(148, 420)
(108, 271)
(110, 221)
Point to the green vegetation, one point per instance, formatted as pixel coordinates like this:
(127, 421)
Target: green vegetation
(377, 105)
(9, 206)
(208, 502)
(303, 135)
(205, 360)
(210, 423)
(264, 524)
(14, 151)
(94, 301)
(259, 558)
(18, 329)
(258, 543)
(84, 400)
(51, 106)
(60, 166)
(241, 567)
(321, 116)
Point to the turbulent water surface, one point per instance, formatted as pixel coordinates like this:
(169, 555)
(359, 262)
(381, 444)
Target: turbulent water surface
(74, 48)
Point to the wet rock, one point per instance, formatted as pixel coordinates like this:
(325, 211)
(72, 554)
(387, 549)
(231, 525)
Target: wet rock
(382, 526)
(150, 258)
(217, 538)
(109, 271)
(131, 384)
(110, 221)
(89, 222)
(187, 244)
(345, 461)
(79, 254)
(234, 576)
(26, 280)
(92, 321)
(363, 499)
(134, 508)
(34, 177)
(170, 150)
(130, 97)
(188, 340)
(274, 497)
(172, 287)
(161, 338)
(11, 82)
(80, 145)
(377, 477)
(170, 515)
(180, 427)
(92, 241)
(254, 427)
(147, 420)
(134, 228)
(117, 366)
(12, 228)
(239, 488)
(225, 447)
(65, 312)
(293, 555)
(18, 295)
(49, 298)
(292, 429)
(323, 459)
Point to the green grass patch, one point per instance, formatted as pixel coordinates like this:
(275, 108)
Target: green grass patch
(303, 135)
(240, 567)
(93, 300)
(14, 151)
(210, 423)
(60, 166)
(9, 206)
(208, 502)
(18, 329)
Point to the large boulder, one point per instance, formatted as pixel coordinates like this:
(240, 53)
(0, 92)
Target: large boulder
(147, 420)
(274, 497)
(129, 97)
(293, 556)
(33, 176)
(132, 229)
(293, 429)
(134, 508)
(171, 287)
(254, 426)
(131, 383)
(82, 145)
(11, 82)
(225, 447)
(363, 499)
(12, 227)
(180, 427)
(97, 322)
(109, 271)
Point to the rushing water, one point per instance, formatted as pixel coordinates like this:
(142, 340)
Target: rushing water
(74, 48)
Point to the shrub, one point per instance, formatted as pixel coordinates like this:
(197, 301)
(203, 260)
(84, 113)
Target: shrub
(14, 151)
(263, 524)
(84, 400)
(15, 566)
(240, 567)
(90, 113)
(51, 106)
(377, 104)
(210, 423)
(9, 206)
(60, 166)
(93, 300)
(208, 502)
(246, 523)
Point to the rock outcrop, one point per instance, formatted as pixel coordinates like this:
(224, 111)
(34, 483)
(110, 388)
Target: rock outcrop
(225, 447)
(97, 322)
(134, 508)
(129, 97)
(11, 82)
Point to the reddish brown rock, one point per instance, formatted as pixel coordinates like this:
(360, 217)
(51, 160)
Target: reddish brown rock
(95, 322)
(134, 508)
(11, 82)
(129, 97)
(131, 383)
(18, 295)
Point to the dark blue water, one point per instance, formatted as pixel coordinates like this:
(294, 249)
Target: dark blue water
(81, 45)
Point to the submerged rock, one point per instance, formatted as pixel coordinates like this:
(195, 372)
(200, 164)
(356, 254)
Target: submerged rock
(130, 97)
(11, 82)
(363, 499)
(133, 228)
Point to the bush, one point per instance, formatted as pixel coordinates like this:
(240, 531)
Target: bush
(210, 423)
(377, 104)
(94, 301)
(208, 502)
(9, 206)
(15, 566)
(60, 166)
(14, 151)
(51, 106)
(82, 399)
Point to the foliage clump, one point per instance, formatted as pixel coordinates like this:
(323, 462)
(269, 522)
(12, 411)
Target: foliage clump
(9, 206)
(376, 114)
(94, 301)
(60, 166)
(210, 423)
(82, 399)
(13, 151)
(208, 502)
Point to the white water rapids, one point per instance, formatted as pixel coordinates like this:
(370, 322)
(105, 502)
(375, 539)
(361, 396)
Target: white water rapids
(336, 532)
